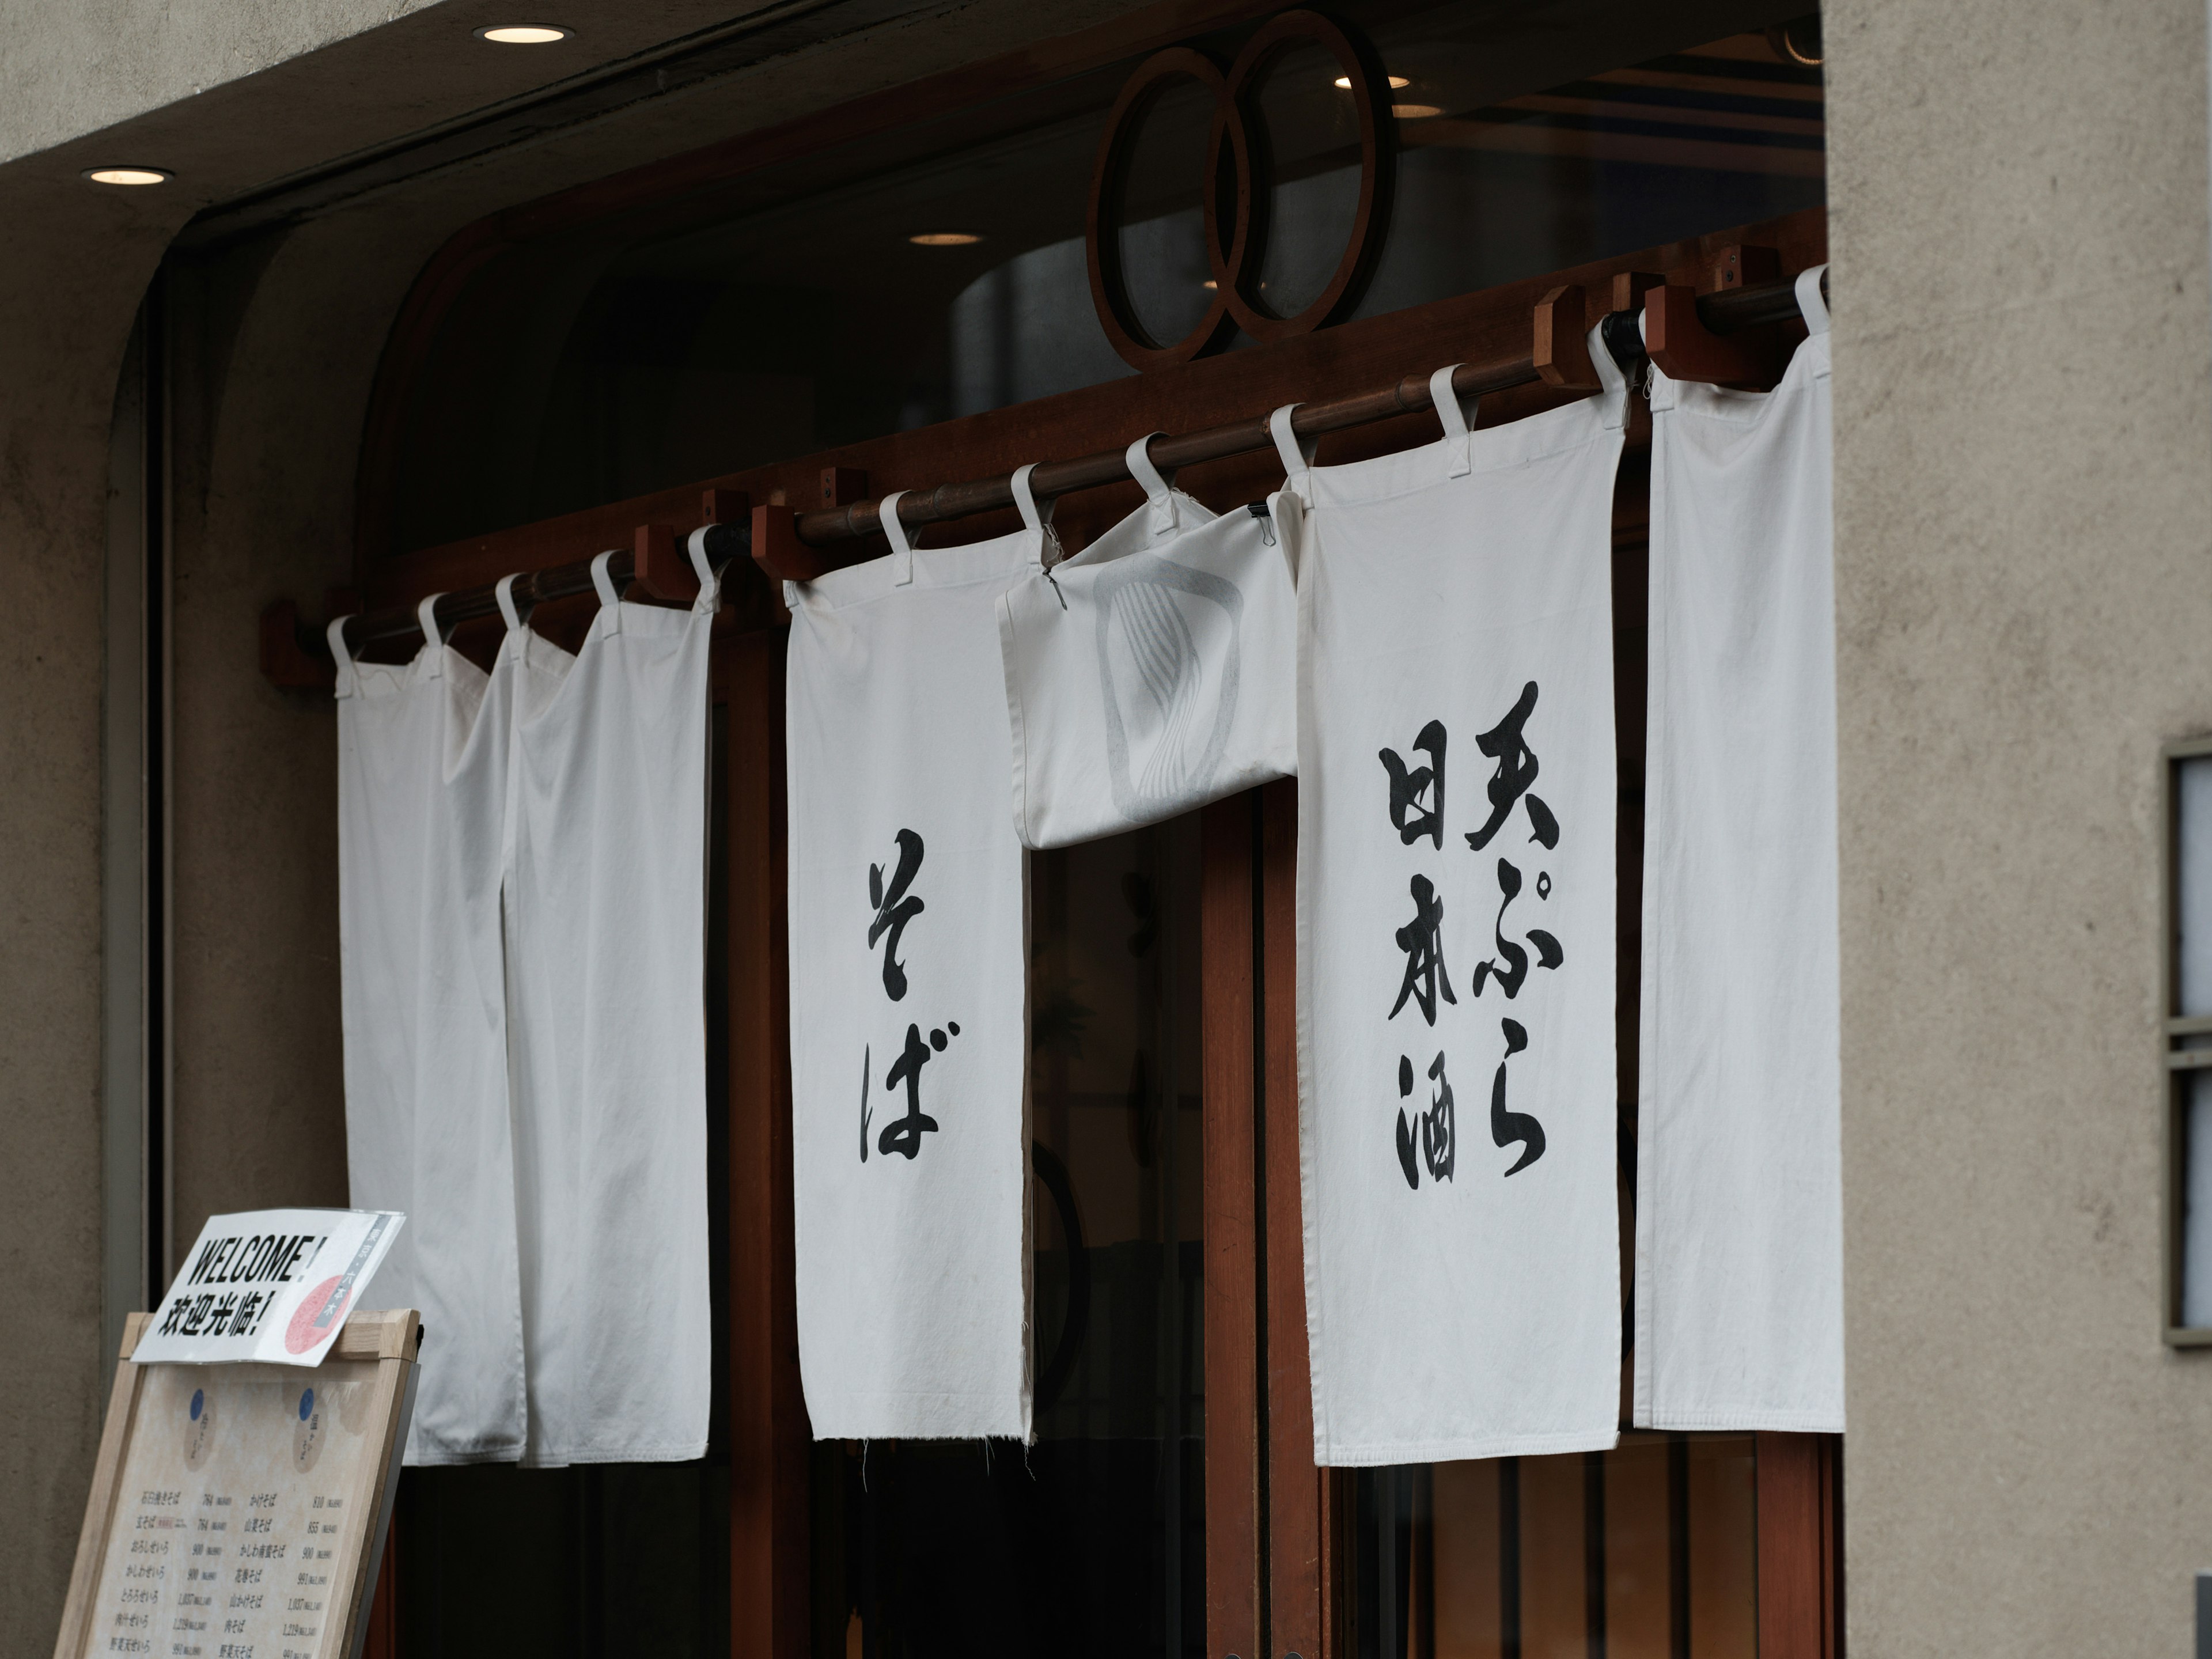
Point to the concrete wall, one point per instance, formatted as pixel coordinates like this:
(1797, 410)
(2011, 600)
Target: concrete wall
(2023, 353)
(75, 267)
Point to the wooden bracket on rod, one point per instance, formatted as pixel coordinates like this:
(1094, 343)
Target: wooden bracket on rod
(661, 564)
(297, 658)
(1561, 349)
(284, 664)
(1629, 288)
(1685, 350)
(778, 552)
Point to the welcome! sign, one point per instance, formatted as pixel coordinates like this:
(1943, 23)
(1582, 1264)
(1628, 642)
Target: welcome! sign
(274, 1285)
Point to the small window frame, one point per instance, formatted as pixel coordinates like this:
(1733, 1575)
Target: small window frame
(2176, 1063)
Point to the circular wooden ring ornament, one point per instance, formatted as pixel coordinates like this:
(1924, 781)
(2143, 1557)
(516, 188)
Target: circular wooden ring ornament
(1236, 269)
(1110, 291)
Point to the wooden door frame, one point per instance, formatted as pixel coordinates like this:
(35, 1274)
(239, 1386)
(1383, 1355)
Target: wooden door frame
(1275, 1569)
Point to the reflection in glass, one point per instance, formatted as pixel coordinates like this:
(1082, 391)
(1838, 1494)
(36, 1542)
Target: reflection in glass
(1306, 137)
(2197, 1199)
(2192, 870)
(1645, 1552)
(1092, 1540)
(1163, 234)
(784, 311)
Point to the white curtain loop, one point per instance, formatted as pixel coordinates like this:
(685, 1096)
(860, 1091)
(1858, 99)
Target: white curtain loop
(335, 633)
(1615, 384)
(1297, 453)
(710, 580)
(433, 637)
(1455, 419)
(609, 617)
(1039, 523)
(894, 533)
(1810, 305)
(1158, 488)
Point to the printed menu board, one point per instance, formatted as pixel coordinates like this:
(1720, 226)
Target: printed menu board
(238, 1510)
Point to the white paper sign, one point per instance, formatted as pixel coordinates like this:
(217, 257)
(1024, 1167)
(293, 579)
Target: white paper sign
(274, 1285)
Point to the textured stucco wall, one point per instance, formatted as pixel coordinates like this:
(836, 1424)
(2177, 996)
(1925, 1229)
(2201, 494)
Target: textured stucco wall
(2024, 576)
(77, 268)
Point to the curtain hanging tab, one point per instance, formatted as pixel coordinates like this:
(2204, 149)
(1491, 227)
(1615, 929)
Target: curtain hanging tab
(894, 533)
(426, 617)
(1612, 379)
(609, 621)
(1038, 524)
(1456, 420)
(1155, 485)
(1297, 453)
(1810, 304)
(709, 575)
(340, 656)
(516, 638)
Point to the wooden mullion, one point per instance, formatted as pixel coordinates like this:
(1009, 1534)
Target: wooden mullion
(1227, 940)
(1302, 1533)
(1800, 1589)
(770, 1435)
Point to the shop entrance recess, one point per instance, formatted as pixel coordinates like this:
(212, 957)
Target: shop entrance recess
(1630, 1552)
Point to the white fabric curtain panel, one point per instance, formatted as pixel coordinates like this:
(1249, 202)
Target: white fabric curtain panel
(1154, 671)
(522, 890)
(606, 977)
(908, 897)
(1455, 885)
(1739, 1246)
(423, 753)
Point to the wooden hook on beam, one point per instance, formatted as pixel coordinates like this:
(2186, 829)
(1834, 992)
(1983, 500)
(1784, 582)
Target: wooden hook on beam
(1561, 350)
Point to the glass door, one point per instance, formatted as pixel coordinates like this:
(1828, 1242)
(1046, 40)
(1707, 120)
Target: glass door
(1092, 1540)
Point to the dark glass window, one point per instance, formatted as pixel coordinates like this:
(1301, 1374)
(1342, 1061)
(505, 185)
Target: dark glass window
(1091, 1541)
(911, 277)
(1648, 1551)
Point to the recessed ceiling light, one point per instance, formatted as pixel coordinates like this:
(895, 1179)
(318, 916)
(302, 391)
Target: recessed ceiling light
(525, 35)
(945, 238)
(1415, 111)
(1398, 82)
(129, 175)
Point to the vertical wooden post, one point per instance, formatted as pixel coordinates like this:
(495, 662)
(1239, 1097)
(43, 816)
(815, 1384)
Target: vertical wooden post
(382, 1638)
(1799, 1590)
(769, 1431)
(1301, 1530)
(1235, 1617)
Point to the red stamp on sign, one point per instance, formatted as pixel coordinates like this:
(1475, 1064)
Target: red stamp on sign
(303, 1332)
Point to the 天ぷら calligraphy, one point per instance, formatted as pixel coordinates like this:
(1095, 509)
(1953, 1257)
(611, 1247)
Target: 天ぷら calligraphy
(1548, 953)
(1508, 1128)
(893, 909)
(1517, 770)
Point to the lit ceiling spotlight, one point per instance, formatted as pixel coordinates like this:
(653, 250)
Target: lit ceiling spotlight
(525, 35)
(945, 238)
(1398, 83)
(129, 175)
(1416, 111)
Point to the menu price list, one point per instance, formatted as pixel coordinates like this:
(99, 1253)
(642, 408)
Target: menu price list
(235, 1502)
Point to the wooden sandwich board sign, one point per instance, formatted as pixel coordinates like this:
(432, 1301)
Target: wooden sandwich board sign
(239, 1512)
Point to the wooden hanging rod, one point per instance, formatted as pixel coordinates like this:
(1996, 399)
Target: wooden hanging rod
(784, 541)
(1689, 335)
(297, 656)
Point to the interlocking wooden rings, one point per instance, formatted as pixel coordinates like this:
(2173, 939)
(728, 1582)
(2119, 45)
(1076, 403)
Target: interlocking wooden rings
(1236, 257)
